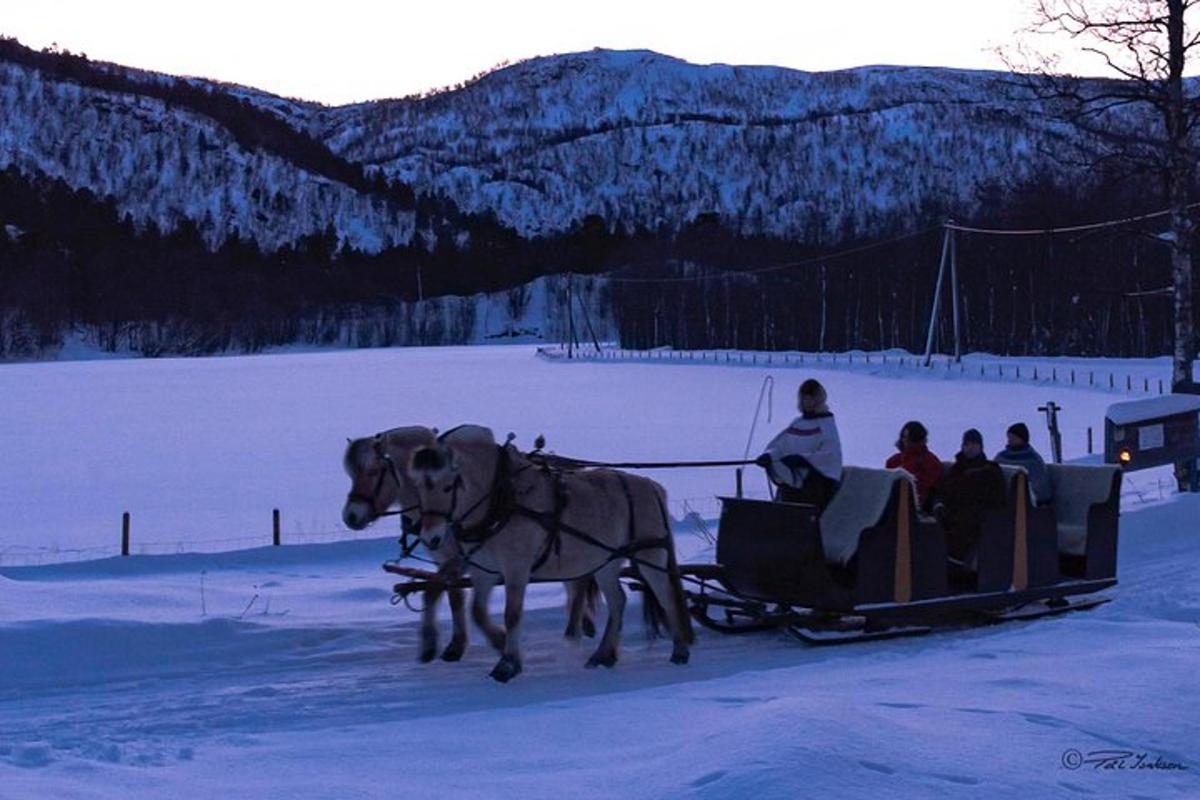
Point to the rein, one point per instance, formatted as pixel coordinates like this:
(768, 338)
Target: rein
(566, 462)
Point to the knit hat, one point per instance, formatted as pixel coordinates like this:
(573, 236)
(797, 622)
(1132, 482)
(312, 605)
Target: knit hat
(1019, 430)
(813, 388)
(972, 435)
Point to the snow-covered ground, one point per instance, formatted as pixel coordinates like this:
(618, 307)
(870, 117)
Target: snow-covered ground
(283, 672)
(199, 451)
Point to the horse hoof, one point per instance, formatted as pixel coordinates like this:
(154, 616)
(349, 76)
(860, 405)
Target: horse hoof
(453, 652)
(602, 660)
(505, 670)
(589, 629)
(680, 656)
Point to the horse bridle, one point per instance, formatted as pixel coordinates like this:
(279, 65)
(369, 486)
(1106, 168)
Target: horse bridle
(393, 471)
(494, 514)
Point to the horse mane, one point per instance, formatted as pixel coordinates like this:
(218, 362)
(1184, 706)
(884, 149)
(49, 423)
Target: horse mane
(468, 434)
(358, 452)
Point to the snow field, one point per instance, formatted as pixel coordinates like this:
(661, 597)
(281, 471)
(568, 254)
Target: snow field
(283, 672)
(200, 451)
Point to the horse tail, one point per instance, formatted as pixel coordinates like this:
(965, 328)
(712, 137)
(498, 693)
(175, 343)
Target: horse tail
(654, 616)
(678, 598)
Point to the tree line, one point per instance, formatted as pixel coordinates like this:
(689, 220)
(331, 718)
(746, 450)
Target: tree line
(70, 259)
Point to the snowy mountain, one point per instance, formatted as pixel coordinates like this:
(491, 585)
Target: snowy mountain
(637, 138)
(166, 164)
(646, 140)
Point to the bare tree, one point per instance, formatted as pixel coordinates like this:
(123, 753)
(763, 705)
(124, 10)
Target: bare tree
(1140, 121)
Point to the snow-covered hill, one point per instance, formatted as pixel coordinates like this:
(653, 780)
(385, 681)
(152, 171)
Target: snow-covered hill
(638, 138)
(166, 164)
(643, 139)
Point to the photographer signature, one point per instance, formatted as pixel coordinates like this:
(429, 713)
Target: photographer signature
(1117, 760)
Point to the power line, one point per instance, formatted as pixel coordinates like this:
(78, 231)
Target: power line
(724, 274)
(775, 267)
(1112, 223)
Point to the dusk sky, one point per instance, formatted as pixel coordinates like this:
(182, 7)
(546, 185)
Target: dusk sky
(339, 52)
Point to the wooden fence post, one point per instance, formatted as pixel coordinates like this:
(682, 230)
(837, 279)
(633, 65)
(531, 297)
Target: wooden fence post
(275, 527)
(125, 534)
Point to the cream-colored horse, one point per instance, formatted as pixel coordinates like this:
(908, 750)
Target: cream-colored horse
(510, 518)
(380, 482)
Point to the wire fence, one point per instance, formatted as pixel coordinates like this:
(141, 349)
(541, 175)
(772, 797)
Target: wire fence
(1132, 381)
(35, 556)
(688, 513)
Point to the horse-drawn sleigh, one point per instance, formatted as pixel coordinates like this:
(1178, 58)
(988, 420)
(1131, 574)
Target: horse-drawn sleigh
(868, 567)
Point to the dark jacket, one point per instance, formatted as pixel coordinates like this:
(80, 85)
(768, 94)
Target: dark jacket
(1039, 477)
(970, 487)
(924, 466)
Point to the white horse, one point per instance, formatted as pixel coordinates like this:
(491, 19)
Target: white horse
(380, 482)
(510, 518)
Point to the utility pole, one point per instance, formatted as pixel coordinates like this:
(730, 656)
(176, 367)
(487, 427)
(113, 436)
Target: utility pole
(570, 315)
(954, 292)
(937, 295)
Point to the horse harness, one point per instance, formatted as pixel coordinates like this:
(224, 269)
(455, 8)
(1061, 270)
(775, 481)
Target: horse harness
(503, 506)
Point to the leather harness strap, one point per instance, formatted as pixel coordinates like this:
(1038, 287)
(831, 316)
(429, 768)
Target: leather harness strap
(503, 507)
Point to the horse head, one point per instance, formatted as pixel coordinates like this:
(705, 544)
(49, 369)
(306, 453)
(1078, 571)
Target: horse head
(378, 479)
(453, 479)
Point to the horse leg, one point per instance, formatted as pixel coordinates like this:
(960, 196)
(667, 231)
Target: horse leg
(429, 632)
(509, 665)
(458, 613)
(481, 590)
(609, 579)
(591, 593)
(574, 610)
(581, 604)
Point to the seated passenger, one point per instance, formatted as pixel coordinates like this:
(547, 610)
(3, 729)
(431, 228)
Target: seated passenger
(916, 459)
(1020, 453)
(970, 487)
(805, 459)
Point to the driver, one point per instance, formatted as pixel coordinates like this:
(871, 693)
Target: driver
(805, 459)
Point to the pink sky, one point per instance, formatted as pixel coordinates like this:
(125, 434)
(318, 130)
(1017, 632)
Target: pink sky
(350, 50)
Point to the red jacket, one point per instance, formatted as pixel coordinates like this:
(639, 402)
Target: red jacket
(923, 465)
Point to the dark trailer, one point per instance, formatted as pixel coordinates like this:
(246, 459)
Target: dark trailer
(1153, 432)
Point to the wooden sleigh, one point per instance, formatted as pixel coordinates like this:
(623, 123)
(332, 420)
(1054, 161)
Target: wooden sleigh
(779, 568)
